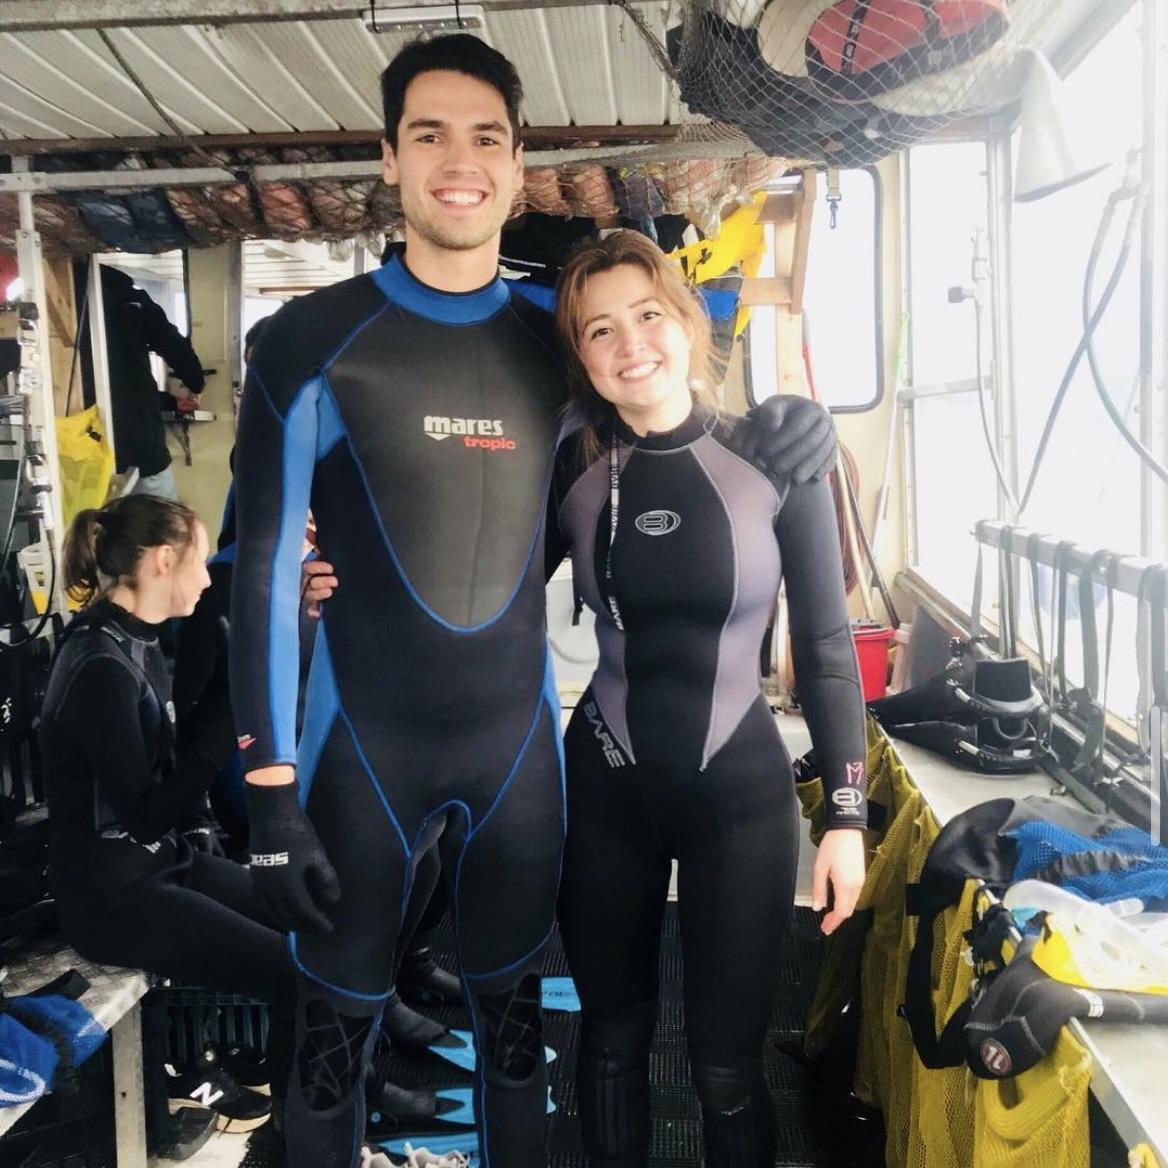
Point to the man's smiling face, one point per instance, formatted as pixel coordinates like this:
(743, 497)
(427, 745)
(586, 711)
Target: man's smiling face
(455, 162)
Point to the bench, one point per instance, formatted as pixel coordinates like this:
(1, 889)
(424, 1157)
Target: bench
(114, 999)
(1127, 1077)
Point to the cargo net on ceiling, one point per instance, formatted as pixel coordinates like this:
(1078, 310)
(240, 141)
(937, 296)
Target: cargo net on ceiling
(622, 186)
(847, 82)
(767, 85)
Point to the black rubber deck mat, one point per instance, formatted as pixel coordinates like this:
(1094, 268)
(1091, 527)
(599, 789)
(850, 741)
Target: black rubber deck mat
(677, 1138)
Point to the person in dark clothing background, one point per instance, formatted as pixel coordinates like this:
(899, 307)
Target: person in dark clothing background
(130, 888)
(135, 327)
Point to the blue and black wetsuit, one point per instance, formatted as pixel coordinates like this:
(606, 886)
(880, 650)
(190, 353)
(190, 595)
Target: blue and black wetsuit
(421, 428)
(673, 753)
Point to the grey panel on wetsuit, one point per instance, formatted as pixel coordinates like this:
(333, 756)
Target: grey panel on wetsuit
(716, 594)
(463, 421)
(748, 502)
(585, 501)
(747, 495)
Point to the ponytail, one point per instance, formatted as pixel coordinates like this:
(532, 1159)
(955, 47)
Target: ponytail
(103, 547)
(81, 572)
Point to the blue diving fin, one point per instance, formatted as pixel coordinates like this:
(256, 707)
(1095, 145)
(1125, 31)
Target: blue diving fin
(457, 1047)
(462, 1112)
(444, 1141)
(559, 993)
(466, 1142)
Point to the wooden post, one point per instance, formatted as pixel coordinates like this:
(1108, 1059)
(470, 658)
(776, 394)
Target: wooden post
(61, 304)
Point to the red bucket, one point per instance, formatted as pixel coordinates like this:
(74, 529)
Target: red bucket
(872, 653)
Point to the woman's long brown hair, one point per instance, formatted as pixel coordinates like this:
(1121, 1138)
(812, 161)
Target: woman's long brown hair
(678, 298)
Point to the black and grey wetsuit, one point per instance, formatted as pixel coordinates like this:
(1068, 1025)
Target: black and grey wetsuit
(421, 428)
(673, 754)
(129, 889)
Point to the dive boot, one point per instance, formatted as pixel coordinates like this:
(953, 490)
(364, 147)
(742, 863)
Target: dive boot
(421, 981)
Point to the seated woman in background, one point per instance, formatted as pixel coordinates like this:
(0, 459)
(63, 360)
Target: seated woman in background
(130, 889)
(678, 545)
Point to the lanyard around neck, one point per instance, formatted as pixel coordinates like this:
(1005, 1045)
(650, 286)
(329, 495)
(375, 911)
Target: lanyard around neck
(614, 518)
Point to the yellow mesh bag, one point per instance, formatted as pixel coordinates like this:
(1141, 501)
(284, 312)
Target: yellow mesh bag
(86, 461)
(943, 1118)
(1142, 1156)
(884, 1063)
(898, 1052)
(842, 951)
(940, 1130)
(1039, 1119)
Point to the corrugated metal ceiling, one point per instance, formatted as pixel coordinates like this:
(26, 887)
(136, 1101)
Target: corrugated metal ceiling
(581, 66)
(298, 98)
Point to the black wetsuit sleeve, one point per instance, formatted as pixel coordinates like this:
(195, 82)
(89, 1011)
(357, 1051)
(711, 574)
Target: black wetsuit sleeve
(275, 459)
(570, 464)
(567, 468)
(165, 340)
(199, 646)
(101, 715)
(826, 671)
(555, 546)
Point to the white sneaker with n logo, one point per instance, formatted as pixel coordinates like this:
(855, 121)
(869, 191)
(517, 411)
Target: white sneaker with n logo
(206, 1093)
(204, 1083)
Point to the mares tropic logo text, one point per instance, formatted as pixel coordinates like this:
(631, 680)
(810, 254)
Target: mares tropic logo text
(480, 433)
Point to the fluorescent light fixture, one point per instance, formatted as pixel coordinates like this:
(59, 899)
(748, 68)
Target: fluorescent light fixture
(431, 18)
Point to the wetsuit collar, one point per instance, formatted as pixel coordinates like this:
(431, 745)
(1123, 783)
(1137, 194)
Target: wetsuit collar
(405, 289)
(699, 422)
(105, 611)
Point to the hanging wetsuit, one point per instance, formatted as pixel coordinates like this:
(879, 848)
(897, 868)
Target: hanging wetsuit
(673, 753)
(130, 891)
(420, 426)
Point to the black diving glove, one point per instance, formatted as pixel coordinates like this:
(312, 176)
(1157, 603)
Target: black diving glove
(203, 837)
(792, 436)
(289, 868)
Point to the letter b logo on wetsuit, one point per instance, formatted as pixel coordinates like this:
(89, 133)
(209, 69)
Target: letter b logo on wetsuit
(658, 522)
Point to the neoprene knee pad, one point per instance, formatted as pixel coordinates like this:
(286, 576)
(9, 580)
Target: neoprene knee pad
(738, 1115)
(513, 1025)
(612, 1086)
(331, 1054)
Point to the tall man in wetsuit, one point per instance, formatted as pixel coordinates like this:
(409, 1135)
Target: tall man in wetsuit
(417, 411)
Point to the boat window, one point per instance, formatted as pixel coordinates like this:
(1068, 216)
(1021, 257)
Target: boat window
(840, 300)
(841, 305)
(954, 478)
(1088, 487)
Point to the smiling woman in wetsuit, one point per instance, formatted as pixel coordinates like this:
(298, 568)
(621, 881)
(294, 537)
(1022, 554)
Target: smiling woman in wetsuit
(130, 888)
(678, 545)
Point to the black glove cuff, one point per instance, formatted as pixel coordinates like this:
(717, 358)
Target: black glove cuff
(270, 802)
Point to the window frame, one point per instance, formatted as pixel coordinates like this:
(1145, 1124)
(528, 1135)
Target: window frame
(911, 391)
(996, 140)
(878, 296)
(878, 202)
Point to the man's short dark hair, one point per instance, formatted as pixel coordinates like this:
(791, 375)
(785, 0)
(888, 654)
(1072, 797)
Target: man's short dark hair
(461, 53)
